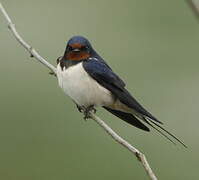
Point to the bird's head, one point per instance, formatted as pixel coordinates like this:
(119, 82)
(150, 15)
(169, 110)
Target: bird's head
(78, 48)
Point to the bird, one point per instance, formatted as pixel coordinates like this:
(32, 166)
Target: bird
(90, 82)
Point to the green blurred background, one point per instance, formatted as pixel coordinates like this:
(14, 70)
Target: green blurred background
(152, 45)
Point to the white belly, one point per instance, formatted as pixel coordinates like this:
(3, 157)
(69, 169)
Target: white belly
(84, 90)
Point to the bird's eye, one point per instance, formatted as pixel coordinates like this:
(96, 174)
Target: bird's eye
(84, 48)
(70, 48)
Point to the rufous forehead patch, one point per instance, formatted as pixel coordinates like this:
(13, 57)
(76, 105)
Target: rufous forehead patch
(76, 45)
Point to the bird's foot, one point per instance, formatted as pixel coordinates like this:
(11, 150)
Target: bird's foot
(80, 108)
(88, 110)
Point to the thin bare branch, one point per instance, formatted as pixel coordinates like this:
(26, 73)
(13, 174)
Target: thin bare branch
(141, 157)
(30, 49)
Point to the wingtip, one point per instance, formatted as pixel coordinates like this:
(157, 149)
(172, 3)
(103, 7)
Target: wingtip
(147, 130)
(151, 117)
(155, 119)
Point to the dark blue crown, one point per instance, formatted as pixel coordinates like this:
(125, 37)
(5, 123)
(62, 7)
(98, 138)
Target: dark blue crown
(80, 40)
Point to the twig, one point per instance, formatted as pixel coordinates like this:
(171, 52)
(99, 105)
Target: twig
(141, 157)
(30, 49)
(194, 4)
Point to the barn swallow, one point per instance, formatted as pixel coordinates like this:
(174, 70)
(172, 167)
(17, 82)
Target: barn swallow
(90, 82)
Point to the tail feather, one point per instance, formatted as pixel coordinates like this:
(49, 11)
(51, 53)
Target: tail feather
(159, 131)
(134, 120)
(129, 118)
(164, 131)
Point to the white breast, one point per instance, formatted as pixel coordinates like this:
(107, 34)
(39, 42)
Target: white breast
(83, 89)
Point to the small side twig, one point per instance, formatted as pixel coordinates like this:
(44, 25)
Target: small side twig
(141, 157)
(194, 4)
